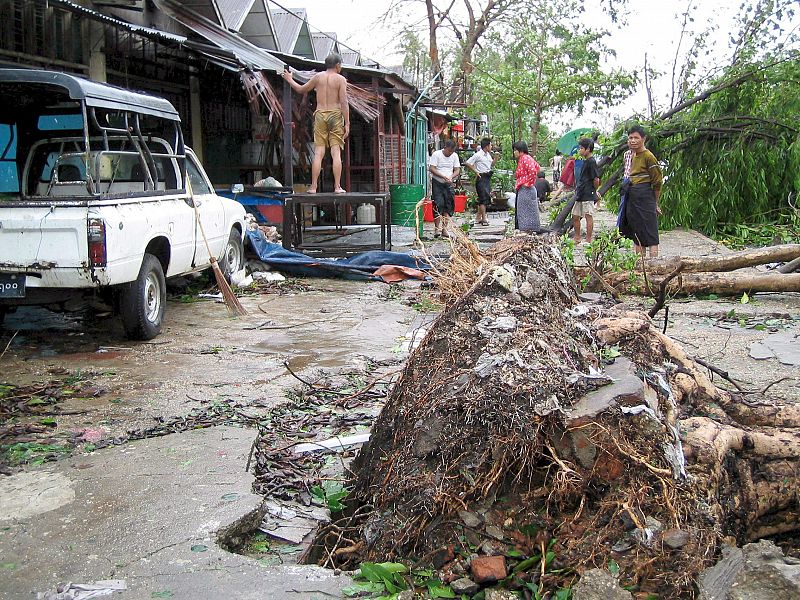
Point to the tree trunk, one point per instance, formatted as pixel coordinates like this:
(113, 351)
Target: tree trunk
(702, 275)
(502, 400)
(433, 45)
(750, 257)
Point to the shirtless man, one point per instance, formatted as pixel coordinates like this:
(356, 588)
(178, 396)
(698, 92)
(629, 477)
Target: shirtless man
(331, 119)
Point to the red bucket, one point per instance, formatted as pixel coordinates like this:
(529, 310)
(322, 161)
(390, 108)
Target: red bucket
(427, 211)
(461, 203)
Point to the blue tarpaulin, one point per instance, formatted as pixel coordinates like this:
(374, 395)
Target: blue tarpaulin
(360, 266)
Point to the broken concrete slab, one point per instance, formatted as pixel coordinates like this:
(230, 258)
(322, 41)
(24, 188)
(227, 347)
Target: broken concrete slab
(784, 345)
(335, 444)
(626, 389)
(28, 494)
(147, 512)
(757, 571)
(294, 523)
(597, 584)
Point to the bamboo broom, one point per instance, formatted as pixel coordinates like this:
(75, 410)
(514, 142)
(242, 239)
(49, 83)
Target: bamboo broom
(235, 308)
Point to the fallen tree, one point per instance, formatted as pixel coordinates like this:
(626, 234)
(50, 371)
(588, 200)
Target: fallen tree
(682, 275)
(509, 426)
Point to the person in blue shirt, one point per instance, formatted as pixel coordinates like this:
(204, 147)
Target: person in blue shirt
(586, 198)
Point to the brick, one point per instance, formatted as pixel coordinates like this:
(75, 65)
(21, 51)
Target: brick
(488, 569)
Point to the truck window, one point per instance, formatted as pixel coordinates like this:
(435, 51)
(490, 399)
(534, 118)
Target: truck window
(198, 183)
(9, 180)
(60, 122)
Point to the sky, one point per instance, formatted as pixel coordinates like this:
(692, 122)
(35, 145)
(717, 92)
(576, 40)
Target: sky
(653, 28)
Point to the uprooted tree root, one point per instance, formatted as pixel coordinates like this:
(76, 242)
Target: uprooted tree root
(491, 415)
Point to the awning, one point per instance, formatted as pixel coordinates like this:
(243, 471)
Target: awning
(247, 54)
(148, 32)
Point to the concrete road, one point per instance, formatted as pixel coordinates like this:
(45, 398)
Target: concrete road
(149, 512)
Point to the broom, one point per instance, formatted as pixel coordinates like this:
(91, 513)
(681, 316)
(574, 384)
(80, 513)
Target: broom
(231, 301)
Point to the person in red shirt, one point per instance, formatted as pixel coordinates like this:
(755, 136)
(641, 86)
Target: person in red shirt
(527, 205)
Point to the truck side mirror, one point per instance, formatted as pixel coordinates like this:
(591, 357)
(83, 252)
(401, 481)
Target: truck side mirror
(237, 188)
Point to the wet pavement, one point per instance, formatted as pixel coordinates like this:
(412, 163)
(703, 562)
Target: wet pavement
(148, 511)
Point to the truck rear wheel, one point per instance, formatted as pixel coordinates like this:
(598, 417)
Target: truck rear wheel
(142, 301)
(232, 260)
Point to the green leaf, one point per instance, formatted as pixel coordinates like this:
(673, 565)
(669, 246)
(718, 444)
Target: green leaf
(563, 594)
(514, 554)
(359, 588)
(527, 564)
(613, 567)
(745, 298)
(49, 421)
(199, 548)
(440, 591)
(162, 594)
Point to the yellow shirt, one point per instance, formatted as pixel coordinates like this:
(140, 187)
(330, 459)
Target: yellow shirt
(645, 169)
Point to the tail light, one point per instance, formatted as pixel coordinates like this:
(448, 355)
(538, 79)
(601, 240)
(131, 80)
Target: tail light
(97, 243)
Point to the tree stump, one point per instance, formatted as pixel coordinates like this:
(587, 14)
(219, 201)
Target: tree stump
(570, 428)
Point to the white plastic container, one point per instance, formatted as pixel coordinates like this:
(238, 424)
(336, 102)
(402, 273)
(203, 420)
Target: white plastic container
(365, 214)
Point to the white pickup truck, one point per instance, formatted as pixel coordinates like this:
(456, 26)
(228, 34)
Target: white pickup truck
(98, 194)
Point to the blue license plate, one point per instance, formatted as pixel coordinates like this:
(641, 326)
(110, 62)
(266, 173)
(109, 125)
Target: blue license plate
(12, 285)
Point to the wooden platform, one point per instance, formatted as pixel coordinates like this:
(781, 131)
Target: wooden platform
(293, 220)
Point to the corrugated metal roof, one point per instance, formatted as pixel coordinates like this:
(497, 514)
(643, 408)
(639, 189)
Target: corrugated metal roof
(257, 27)
(287, 27)
(351, 57)
(246, 54)
(205, 8)
(234, 12)
(324, 44)
(98, 16)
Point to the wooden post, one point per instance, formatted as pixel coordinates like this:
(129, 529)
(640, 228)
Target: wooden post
(378, 132)
(288, 172)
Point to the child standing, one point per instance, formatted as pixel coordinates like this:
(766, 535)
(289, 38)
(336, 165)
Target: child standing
(586, 198)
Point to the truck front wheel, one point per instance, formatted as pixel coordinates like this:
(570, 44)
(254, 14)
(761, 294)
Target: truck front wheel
(232, 259)
(142, 301)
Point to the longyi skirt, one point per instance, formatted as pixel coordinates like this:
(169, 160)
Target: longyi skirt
(640, 222)
(527, 209)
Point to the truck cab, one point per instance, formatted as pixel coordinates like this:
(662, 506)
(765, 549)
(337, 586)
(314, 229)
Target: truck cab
(99, 195)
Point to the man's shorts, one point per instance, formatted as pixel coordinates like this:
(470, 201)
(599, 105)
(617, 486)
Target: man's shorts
(583, 208)
(443, 197)
(484, 189)
(329, 128)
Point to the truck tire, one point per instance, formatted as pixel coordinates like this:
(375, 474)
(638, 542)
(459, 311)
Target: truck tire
(142, 301)
(232, 259)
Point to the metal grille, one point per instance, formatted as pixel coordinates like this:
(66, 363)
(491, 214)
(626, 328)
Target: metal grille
(34, 33)
(391, 160)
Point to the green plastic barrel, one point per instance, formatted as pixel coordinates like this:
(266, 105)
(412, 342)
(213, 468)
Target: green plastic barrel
(404, 198)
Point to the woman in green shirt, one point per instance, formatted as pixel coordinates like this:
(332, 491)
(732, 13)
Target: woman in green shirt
(641, 190)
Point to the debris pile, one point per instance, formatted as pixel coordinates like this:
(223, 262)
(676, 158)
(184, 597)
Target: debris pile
(531, 438)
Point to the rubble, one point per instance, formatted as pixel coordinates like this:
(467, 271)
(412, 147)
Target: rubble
(755, 572)
(488, 569)
(597, 584)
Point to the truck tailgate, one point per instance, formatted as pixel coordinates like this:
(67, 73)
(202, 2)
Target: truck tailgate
(43, 236)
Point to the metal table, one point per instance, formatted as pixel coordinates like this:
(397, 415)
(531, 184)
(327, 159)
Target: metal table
(293, 225)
